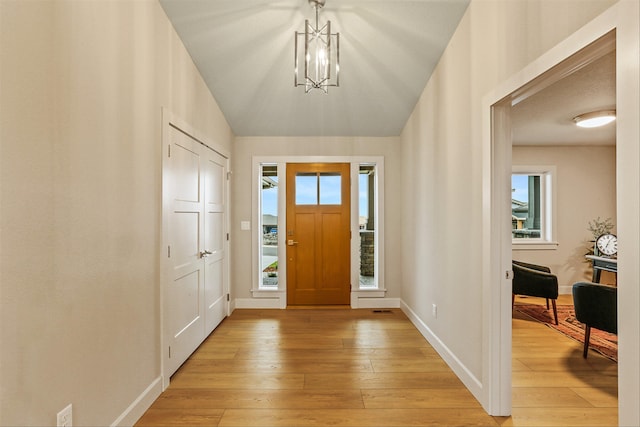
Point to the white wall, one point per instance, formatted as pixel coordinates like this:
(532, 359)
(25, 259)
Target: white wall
(442, 165)
(83, 84)
(585, 189)
(244, 148)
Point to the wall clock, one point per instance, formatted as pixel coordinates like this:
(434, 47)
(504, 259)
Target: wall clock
(607, 244)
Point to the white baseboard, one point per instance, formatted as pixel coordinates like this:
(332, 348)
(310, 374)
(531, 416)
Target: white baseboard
(363, 302)
(468, 379)
(139, 406)
(280, 303)
(260, 303)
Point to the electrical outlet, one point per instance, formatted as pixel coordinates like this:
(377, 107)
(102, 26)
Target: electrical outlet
(434, 311)
(65, 417)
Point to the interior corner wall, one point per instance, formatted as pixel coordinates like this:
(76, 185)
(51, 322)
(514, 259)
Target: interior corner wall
(245, 148)
(83, 87)
(441, 175)
(585, 190)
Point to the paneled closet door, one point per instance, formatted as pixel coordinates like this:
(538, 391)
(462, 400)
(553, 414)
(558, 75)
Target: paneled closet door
(194, 297)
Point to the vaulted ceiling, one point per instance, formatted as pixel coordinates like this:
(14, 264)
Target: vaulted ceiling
(244, 50)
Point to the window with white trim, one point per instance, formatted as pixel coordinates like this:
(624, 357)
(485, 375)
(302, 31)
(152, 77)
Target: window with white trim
(268, 218)
(367, 230)
(532, 204)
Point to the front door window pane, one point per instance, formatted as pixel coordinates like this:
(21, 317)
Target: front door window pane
(306, 189)
(330, 189)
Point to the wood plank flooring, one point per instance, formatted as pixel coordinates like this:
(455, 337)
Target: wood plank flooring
(553, 385)
(320, 367)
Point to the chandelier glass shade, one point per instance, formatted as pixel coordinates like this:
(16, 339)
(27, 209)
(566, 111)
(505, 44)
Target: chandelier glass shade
(317, 54)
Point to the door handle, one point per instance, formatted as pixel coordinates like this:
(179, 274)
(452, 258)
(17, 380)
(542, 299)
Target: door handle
(205, 253)
(291, 242)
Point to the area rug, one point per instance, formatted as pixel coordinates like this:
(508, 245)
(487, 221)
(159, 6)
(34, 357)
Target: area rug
(602, 342)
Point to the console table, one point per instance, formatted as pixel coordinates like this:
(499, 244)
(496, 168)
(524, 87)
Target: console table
(602, 263)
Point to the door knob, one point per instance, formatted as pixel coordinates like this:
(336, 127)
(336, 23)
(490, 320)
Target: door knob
(291, 242)
(205, 253)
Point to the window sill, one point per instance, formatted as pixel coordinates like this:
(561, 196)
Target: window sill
(534, 245)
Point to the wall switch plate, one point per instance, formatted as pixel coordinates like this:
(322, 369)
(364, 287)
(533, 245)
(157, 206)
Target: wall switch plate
(434, 310)
(65, 417)
(245, 225)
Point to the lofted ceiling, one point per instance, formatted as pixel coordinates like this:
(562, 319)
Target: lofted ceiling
(244, 49)
(388, 50)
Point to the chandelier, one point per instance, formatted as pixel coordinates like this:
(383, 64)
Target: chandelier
(321, 54)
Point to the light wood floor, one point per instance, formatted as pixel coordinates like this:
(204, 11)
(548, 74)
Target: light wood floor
(340, 367)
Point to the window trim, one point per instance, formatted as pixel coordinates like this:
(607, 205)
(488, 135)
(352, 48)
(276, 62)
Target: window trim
(548, 199)
(279, 292)
(257, 289)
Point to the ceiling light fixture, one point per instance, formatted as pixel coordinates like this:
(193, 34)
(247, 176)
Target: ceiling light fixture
(321, 53)
(595, 119)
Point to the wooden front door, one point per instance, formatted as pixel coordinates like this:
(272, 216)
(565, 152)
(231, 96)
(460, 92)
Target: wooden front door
(318, 234)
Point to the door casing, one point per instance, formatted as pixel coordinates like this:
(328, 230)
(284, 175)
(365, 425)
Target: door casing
(276, 298)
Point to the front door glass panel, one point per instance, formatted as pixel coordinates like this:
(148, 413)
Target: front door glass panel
(306, 189)
(330, 185)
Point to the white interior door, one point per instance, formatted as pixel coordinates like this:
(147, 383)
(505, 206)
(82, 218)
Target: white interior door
(215, 238)
(195, 292)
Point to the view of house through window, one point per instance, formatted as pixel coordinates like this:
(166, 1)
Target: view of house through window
(269, 217)
(366, 202)
(526, 206)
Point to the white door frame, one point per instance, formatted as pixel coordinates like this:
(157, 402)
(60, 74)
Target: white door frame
(171, 120)
(496, 161)
(373, 298)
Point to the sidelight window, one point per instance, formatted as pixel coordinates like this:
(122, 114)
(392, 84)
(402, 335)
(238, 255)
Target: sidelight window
(269, 226)
(367, 233)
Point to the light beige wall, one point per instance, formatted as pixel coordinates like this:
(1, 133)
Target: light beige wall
(442, 165)
(83, 84)
(244, 148)
(585, 190)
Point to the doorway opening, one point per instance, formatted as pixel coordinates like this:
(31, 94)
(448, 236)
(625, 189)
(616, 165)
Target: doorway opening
(499, 237)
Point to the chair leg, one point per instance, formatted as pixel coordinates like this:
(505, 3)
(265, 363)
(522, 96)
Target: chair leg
(555, 310)
(547, 303)
(587, 335)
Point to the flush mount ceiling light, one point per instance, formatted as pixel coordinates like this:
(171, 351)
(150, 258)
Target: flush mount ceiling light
(321, 54)
(595, 119)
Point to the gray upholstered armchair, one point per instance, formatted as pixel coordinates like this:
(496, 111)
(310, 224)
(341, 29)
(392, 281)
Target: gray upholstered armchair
(536, 281)
(597, 307)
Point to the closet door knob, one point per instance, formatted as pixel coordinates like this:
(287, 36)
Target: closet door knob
(205, 253)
